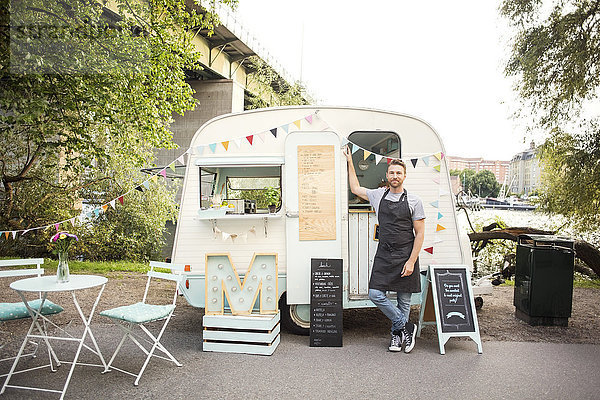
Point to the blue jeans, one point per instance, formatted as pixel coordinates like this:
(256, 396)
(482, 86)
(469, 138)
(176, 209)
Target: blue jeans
(397, 314)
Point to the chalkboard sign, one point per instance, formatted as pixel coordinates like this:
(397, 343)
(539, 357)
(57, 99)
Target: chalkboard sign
(452, 289)
(448, 291)
(326, 303)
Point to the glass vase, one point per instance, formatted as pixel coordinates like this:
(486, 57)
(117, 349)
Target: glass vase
(62, 272)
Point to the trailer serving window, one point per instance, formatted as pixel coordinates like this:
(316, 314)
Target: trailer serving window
(235, 182)
(371, 175)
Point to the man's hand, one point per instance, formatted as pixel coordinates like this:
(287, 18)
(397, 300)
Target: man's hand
(348, 153)
(409, 267)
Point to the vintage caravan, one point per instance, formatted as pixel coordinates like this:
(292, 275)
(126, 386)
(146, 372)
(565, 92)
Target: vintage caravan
(238, 161)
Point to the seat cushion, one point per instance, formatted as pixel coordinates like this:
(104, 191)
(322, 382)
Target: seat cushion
(10, 311)
(139, 313)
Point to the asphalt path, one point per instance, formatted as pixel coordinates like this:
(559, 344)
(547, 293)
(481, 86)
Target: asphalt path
(362, 368)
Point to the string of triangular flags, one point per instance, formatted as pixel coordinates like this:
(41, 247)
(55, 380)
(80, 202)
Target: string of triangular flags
(103, 207)
(426, 159)
(436, 204)
(251, 138)
(163, 172)
(224, 236)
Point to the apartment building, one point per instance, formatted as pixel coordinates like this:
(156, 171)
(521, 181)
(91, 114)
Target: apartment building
(498, 168)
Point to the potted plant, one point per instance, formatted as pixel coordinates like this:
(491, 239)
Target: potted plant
(272, 198)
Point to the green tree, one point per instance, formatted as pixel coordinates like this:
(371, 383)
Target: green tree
(555, 58)
(87, 91)
(486, 183)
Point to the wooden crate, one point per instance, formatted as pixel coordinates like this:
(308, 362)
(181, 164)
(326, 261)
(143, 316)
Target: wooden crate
(249, 334)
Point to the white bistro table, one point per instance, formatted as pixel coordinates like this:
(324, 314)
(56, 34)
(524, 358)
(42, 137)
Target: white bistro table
(45, 285)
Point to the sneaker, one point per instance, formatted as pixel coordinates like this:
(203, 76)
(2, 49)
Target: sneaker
(396, 343)
(410, 332)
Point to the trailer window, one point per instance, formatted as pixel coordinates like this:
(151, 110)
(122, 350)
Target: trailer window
(258, 183)
(371, 175)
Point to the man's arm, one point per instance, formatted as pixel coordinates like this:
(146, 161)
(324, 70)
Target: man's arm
(419, 228)
(353, 179)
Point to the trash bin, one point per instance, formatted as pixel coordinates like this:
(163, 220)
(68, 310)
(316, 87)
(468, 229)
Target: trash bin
(544, 279)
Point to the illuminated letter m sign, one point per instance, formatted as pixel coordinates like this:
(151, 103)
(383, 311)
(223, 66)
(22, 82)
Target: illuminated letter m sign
(222, 280)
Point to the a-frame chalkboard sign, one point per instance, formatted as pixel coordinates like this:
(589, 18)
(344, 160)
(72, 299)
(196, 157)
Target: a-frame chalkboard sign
(448, 303)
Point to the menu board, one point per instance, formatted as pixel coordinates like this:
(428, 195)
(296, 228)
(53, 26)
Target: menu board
(326, 311)
(453, 298)
(316, 192)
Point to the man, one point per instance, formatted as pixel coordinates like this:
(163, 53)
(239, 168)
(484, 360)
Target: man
(396, 265)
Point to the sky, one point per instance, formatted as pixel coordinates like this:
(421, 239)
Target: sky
(441, 61)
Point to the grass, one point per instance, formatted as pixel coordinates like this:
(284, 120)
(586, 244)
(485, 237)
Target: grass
(97, 267)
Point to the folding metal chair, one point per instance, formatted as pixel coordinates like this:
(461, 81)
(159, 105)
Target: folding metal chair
(140, 314)
(17, 310)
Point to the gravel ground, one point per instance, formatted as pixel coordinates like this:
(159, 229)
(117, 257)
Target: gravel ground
(496, 318)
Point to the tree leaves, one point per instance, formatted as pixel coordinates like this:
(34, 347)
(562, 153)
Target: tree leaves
(556, 60)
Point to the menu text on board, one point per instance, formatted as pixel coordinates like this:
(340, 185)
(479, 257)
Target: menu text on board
(326, 303)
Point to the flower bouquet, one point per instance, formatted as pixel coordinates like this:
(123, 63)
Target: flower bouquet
(63, 242)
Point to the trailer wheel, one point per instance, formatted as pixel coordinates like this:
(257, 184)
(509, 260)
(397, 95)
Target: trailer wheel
(478, 302)
(295, 318)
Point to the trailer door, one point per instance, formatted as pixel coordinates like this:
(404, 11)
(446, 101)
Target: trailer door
(312, 206)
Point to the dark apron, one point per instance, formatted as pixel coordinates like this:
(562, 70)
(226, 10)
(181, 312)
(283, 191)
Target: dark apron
(396, 240)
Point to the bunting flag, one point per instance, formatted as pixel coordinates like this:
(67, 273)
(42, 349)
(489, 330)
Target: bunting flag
(163, 172)
(147, 184)
(388, 160)
(112, 204)
(354, 148)
(437, 168)
(120, 198)
(440, 215)
(172, 166)
(139, 188)
(6, 234)
(104, 207)
(438, 156)
(238, 142)
(97, 212)
(274, 132)
(366, 154)
(435, 204)
(429, 250)
(377, 158)
(181, 159)
(14, 234)
(425, 160)
(213, 147)
(297, 123)
(225, 144)
(345, 142)
(154, 178)
(309, 118)
(439, 228)
(261, 136)
(285, 128)
(414, 162)
(250, 138)
(200, 149)
(57, 226)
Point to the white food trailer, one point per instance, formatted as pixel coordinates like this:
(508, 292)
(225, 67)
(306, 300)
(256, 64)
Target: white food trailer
(297, 151)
